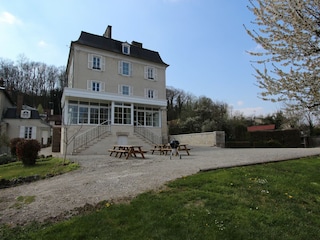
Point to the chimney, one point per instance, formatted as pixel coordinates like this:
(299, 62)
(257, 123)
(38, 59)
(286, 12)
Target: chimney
(108, 31)
(19, 104)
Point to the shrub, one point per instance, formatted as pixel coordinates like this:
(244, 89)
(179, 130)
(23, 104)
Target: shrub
(13, 145)
(4, 159)
(27, 151)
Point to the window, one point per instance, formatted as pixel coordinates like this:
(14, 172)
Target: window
(94, 115)
(73, 114)
(83, 114)
(88, 113)
(150, 73)
(27, 132)
(104, 114)
(96, 62)
(147, 116)
(122, 113)
(126, 48)
(150, 93)
(125, 68)
(125, 90)
(96, 86)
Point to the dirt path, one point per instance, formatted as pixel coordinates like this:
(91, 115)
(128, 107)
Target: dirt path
(109, 178)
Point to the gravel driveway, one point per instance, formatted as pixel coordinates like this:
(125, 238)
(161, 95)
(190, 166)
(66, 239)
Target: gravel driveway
(109, 178)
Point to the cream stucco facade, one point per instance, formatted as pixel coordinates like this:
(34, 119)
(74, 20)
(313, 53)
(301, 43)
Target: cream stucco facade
(113, 83)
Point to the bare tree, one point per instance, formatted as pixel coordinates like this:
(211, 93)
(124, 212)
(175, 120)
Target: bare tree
(288, 68)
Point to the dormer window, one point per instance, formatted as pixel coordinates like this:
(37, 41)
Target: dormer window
(126, 48)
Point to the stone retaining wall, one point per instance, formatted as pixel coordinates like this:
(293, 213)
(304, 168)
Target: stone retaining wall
(212, 139)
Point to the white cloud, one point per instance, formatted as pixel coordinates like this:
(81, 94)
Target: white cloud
(42, 44)
(8, 18)
(252, 111)
(240, 103)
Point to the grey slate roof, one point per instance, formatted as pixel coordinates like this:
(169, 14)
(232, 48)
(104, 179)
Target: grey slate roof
(11, 113)
(115, 46)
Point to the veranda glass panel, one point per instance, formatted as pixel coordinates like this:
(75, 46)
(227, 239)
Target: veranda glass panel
(83, 115)
(104, 114)
(141, 118)
(94, 115)
(118, 115)
(156, 119)
(127, 116)
(148, 119)
(73, 115)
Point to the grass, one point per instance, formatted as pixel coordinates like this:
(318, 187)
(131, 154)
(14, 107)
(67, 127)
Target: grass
(23, 200)
(44, 167)
(269, 201)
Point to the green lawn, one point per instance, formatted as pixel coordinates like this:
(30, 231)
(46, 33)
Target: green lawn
(44, 167)
(270, 201)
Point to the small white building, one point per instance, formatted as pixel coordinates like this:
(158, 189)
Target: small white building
(26, 123)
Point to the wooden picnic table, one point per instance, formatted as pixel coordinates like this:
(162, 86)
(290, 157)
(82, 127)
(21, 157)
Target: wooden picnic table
(161, 148)
(165, 148)
(127, 150)
(184, 147)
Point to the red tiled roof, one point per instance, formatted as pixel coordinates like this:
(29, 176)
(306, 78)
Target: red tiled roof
(261, 128)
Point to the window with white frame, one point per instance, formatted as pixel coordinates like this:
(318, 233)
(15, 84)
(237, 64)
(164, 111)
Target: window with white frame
(83, 113)
(126, 48)
(96, 62)
(145, 116)
(88, 113)
(94, 113)
(28, 132)
(122, 113)
(150, 73)
(73, 114)
(150, 93)
(125, 90)
(95, 86)
(125, 68)
(104, 114)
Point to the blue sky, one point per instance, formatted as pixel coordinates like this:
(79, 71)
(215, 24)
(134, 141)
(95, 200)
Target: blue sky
(203, 41)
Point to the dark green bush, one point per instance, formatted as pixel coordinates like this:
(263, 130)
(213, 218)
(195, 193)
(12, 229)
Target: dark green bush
(27, 151)
(13, 145)
(4, 159)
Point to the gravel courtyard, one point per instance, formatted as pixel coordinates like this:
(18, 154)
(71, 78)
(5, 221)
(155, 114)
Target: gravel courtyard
(102, 177)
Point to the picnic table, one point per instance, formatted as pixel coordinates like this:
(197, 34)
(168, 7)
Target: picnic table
(184, 147)
(165, 148)
(127, 151)
(161, 148)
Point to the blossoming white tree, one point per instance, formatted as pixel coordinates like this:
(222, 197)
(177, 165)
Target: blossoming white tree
(288, 67)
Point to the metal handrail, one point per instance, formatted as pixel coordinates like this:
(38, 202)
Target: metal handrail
(83, 139)
(147, 134)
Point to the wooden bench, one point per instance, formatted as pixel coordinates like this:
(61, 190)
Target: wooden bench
(117, 151)
(161, 150)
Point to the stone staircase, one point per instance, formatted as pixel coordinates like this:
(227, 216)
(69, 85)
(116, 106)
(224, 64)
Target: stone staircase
(98, 140)
(101, 146)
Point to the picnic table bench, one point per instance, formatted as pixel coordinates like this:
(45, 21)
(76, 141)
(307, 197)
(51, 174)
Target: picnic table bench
(162, 149)
(165, 148)
(127, 150)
